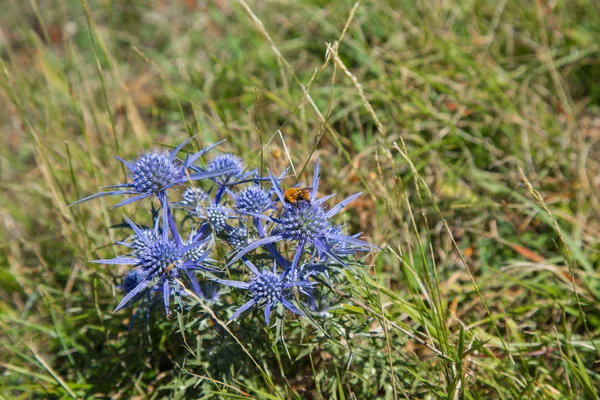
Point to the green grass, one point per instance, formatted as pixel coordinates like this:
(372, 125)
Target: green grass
(471, 127)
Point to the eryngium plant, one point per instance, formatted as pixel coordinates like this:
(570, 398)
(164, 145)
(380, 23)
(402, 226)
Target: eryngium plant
(280, 247)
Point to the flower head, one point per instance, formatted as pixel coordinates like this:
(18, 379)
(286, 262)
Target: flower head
(196, 254)
(308, 224)
(238, 237)
(152, 174)
(132, 279)
(139, 242)
(303, 222)
(234, 174)
(151, 297)
(267, 288)
(155, 172)
(226, 161)
(191, 197)
(216, 216)
(253, 200)
(159, 260)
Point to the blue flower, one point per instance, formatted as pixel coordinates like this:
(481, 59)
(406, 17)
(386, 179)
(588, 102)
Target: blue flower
(238, 237)
(196, 254)
(303, 222)
(152, 174)
(269, 289)
(191, 197)
(215, 215)
(226, 161)
(253, 200)
(158, 261)
(309, 225)
(235, 173)
(132, 279)
(152, 295)
(139, 242)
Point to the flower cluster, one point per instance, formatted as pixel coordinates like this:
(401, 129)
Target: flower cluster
(283, 239)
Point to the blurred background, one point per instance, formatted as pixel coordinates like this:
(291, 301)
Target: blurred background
(472, 127)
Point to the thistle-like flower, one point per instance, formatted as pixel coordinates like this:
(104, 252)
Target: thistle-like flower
(152, 174)
(192, 197)
(138, 244)
(253, 200)
(197, 254)
(132, 279)
(226, 161)
(268, 288)
(234, 176)
(303, 222)
(158, 261)
(215, 215)
(307, 223)
(152, 296)
(238, 237)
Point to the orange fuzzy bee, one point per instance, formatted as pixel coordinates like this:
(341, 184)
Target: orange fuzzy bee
(168, 268)
(294, 195)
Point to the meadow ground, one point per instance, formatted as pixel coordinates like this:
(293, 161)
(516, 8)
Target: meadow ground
(472, 127)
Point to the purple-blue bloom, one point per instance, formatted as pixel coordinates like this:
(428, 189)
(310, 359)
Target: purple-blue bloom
(191, 197)
(253, 200)
(132, 279)
(152, 295)
(226, 161)
(216, 216)
(235, 173)
(308, 224)
(238, 237)
(269, 288)
(152, 174)
(161, 261)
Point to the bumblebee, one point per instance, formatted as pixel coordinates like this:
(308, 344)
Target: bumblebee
(294, 195)
(169, 268)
